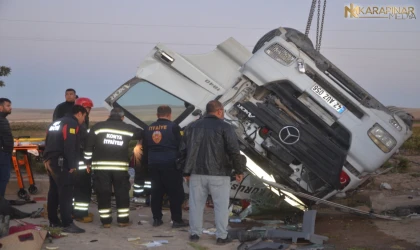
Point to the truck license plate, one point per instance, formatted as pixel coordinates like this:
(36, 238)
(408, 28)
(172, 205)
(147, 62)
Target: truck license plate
(329, 99)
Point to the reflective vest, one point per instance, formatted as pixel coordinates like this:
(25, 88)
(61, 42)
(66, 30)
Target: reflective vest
(108, 143)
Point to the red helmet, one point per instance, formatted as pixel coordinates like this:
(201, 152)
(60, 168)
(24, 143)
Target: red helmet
(84, 101)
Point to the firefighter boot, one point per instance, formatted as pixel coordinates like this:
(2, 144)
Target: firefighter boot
(86, 219)
(125, 224)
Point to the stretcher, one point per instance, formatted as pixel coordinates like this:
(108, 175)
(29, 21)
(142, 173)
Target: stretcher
(25, 146)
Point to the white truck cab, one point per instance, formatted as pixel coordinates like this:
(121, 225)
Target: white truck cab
(299, 119)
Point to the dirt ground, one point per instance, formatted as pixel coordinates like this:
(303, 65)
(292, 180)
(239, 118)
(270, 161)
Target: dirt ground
(356, 232)
(345, 231)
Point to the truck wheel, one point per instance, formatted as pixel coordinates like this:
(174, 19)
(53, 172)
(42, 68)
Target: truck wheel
(265, 38)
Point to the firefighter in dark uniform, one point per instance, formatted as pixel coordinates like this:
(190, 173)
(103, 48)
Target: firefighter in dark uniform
(160, 151)
(106, 153)
(82, 179)
(62, 149)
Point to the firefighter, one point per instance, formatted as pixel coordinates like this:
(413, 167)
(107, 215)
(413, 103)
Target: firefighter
(142, 184)
(82, 179)
(106, 153)
(160, 151)
(62, 149)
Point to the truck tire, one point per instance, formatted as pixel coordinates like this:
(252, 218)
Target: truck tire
(267, 37)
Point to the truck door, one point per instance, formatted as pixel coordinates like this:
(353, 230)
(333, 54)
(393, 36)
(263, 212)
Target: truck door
(140, 99)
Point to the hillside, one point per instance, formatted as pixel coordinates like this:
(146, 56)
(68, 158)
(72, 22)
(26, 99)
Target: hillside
(100, 114)
(45, 115)
(147, 112)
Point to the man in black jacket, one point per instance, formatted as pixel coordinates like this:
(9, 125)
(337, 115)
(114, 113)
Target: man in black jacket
(6, 144)
(65, 107)
(209, 154)
(61, 159)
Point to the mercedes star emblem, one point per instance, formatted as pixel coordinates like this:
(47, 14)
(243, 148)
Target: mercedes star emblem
(289, 135)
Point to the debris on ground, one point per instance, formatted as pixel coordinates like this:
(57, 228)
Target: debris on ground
(197, 246)
(155, 243)
(210, 231)
(385, 185)
(4, 225)
(305, 232)
(259, 244)
(37, 214)
(27, 239)
(133, 239)
(235, 220)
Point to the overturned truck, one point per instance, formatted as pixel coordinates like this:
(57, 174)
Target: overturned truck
(300, 120)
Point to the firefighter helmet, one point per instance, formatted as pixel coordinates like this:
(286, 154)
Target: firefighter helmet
(84, 101)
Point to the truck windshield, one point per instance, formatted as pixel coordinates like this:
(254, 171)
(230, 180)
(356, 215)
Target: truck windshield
(143, 99)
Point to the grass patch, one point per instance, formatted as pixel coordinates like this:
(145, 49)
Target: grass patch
(388, 164)
(32, 129)
(197, 246)
(400, 165)
(403, 165)
(412, 145)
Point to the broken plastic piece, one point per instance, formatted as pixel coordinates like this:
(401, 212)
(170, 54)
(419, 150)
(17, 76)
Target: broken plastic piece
(210, 231)
(155, 243)
(133, 239)
(236, 220)
(385, 185)
(247, 211)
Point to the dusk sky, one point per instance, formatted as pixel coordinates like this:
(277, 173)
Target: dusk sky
(95, 46)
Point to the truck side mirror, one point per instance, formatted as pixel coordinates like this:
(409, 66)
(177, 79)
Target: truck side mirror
(197, 112)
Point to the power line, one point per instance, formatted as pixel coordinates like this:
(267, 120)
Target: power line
(40, 39)
(196, 26)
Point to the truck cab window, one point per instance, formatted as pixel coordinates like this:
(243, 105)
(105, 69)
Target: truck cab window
(143, 99)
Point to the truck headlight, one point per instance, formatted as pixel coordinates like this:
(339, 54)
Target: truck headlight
(382, 138)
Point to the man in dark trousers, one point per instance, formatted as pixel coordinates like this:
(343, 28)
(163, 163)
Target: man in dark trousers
(61, 158)
(142, 185)
(160, 151)
(106, 152)
(82, 179)
(210, 155)
(65, 107)
(6, 144)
